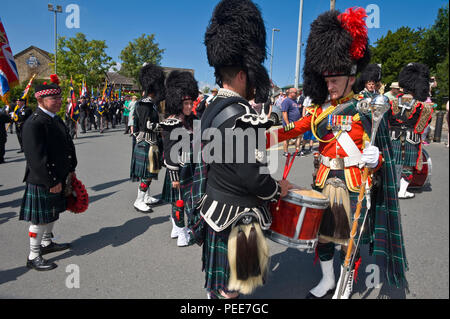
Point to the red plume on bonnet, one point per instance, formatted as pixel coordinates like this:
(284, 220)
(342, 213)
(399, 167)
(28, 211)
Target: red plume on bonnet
(352, 20)
(54, 78)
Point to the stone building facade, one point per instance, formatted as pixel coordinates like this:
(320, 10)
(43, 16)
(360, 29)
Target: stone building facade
(33, 61)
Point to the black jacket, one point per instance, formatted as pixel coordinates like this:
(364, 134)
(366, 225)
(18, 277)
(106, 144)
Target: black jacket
(49, 150)
(4, 118)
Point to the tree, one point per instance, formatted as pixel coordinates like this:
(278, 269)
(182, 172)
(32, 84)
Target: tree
(137, 52)
(435, 42)
(82, 60)
(396, 50)
(206, 89)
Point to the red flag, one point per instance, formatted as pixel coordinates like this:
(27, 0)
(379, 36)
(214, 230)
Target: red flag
(9, 77)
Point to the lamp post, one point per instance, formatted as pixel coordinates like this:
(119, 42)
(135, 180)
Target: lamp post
(271, 52)
(299, 45)
(56, 10)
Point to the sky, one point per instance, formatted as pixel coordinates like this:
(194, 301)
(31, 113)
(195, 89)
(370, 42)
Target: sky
(179, 26)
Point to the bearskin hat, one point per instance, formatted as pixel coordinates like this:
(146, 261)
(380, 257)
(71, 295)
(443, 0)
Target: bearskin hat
(180, 86)
(236, 37)
(371, 73)
(415, 79)
(151, 78)
(337, 45)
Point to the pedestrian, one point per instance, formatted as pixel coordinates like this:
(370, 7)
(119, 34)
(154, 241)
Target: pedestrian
(341, 127)
(212, 96)
(308, 137)
(51, 158)
(71, 117)
(408, 118)
(84, 113)
(393, 92)
(22, 113)
(126, 114)
(181, 91)
(101, 115)
(145, 162)
(291, 113)
(236, 193)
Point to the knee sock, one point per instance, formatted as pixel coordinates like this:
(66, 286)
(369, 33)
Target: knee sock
(35, 233)
(48, 235)
(178, 215)
(325, 251)
(145, 184)
(407, 173)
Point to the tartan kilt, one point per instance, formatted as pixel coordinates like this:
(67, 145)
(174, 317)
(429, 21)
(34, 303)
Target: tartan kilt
(39, 206)
(170, 194)
(215, 259)
(411, 153)
(140, 163)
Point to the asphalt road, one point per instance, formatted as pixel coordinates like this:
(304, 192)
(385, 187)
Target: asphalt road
(120, 253)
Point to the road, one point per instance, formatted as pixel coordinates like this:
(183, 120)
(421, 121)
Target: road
(121, 253)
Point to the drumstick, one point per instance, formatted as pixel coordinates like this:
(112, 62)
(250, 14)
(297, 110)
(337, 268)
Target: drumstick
(287, 169)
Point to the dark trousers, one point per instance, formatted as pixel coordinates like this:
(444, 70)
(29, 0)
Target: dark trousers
(19, 135)
(2, 149)
(83, 119)
(92, 121)
(72, 125)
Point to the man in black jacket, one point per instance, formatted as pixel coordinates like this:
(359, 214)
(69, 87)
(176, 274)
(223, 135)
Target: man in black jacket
(4, 118)
(23, 113)
(50, 156)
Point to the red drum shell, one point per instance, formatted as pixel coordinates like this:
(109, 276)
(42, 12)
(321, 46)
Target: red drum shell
(422, 178)
(285, 220)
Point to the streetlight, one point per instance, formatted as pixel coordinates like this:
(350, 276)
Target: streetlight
(271, 53)
(57, 10)
(299, 45)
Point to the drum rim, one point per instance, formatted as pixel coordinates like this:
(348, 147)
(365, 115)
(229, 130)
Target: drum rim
(292, 243)
(310, 202)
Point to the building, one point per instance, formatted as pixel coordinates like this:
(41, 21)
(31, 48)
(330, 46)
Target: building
(31, 61)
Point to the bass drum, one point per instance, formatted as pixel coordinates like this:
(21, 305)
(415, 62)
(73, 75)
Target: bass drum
(422, 178)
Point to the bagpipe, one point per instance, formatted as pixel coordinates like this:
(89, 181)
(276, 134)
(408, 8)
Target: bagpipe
(77, 196)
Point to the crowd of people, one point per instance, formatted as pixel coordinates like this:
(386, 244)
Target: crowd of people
(223, 202)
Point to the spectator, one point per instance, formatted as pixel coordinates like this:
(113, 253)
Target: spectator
(395, 90)
(212, 96)
(126, 114)
(308, 136)
(291, 113)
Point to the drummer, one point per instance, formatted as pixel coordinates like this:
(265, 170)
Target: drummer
(343, 133)
(408, 119)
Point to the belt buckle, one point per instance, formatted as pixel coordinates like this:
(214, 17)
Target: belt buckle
(336, 163)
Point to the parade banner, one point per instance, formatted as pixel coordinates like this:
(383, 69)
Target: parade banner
(27, 88)
(74, 112)
(9, 77)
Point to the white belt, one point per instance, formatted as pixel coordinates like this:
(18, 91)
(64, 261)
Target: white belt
(341, 163)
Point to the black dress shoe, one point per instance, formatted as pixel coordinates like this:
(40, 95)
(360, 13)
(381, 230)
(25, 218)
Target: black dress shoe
(40, 264)
(311, 296)
(20, 151)
(53, 247)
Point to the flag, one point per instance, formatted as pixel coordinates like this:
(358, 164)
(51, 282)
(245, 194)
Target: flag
(27, 88)
(9, 77)
(92, 92)
(74, 111)
(83, 89)
(120, 93)
(104, 90)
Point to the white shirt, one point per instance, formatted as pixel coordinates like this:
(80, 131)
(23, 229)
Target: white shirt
(52, 115)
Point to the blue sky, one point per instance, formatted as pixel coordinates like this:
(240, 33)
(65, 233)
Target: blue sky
(179, 26)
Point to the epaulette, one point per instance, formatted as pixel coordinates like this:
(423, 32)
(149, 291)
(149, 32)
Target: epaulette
(171, 123)
(253, 120)
(359, 97)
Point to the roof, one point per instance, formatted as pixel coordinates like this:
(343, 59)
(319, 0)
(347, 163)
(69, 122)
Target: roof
(31, 47)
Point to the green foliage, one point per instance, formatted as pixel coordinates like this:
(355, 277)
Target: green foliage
(397, 49)
(82, 59)
(428, 46)
(137, 52)
(206, 89)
